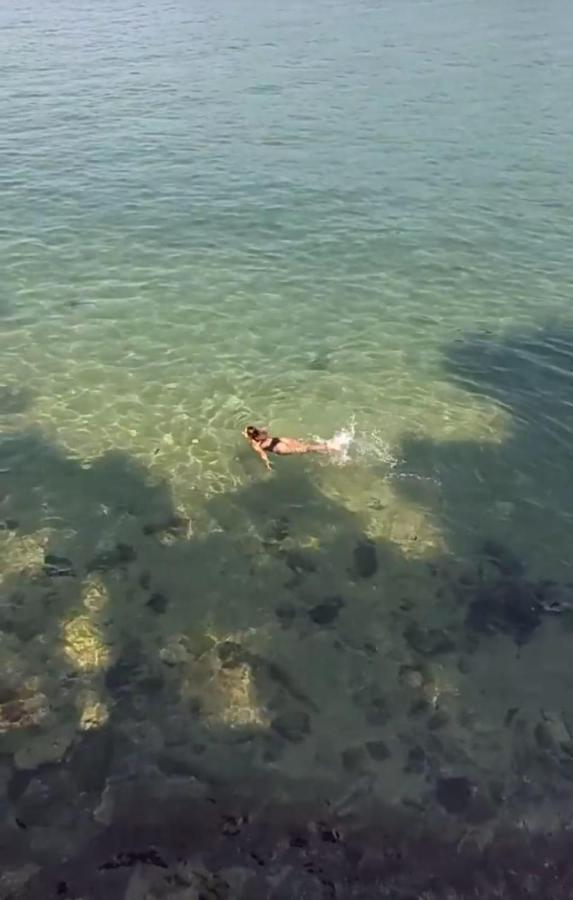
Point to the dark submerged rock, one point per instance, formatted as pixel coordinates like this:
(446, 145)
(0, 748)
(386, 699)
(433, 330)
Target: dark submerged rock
(158, 602)
(365, 559)
(9, 525)
(231, 655)
(172, 525)
(299, 562)
(411, 677)
(508, 607)
(292, 725)
(326, 612)
(553, 597)
(428, 641)
(416, 762)
(278, 530)
(120, 555)
(286, 614)
(58, 566)
(378, 750)
(455, 794)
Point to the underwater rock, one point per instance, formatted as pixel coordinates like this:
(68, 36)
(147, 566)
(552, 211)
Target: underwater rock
(277, 531)
(199, 643)
(158, 602)
(286, 614)
(411, 677)
(416, 762)
(508, 607)
(120, 555)
(292, 725)
(299, 562)
(553, 597)
(231, 655)
(428, 641)
(553, 736)
(365, 559)
(172, 524)
(24, 627)
(378, 750)
(326, 612)
(58, 566)
(23, 712)
(9, 525)
(455, 794)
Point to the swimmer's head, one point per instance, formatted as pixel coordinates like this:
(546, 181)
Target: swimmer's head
(256, 434)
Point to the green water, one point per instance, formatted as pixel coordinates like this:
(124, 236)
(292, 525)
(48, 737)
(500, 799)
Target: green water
(315, 216)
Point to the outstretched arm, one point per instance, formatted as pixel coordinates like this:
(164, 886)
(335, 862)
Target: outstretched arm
(259, 450)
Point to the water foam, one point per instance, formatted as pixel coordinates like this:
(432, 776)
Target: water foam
(351, 445)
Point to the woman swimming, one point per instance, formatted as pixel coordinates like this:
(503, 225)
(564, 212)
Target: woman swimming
(263, 444)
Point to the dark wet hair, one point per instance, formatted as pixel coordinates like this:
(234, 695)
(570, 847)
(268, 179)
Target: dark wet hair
(255, 433)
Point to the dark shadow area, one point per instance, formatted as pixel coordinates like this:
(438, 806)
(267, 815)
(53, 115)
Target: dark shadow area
(276, 705)
(516, 486)
(530, 373)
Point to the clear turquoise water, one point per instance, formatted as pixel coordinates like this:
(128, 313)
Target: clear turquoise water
(302, 214)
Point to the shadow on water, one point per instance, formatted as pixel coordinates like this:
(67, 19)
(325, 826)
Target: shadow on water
(516, 486)
(271, 697)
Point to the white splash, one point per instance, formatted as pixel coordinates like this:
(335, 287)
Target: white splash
(350, 445)
(341, 442)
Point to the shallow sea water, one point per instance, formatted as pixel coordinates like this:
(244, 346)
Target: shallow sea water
(320, 217)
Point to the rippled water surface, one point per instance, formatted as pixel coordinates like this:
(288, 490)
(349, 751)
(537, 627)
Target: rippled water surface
(324, 216)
